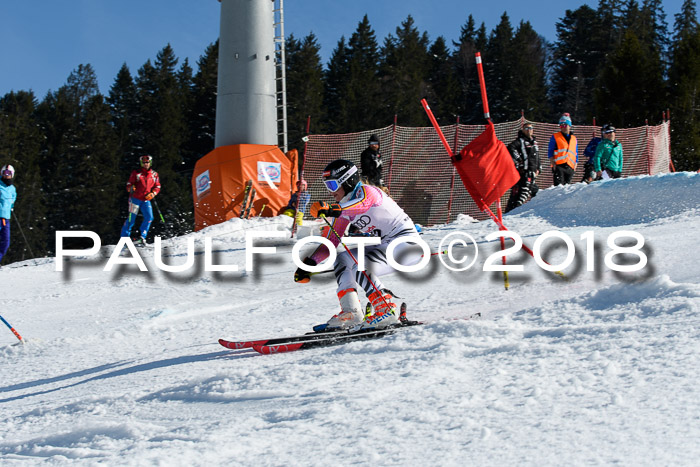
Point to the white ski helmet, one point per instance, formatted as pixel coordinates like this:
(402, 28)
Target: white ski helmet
(145, 159)
(7, 169)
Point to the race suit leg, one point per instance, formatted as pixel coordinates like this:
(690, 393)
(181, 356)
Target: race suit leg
(348, 276)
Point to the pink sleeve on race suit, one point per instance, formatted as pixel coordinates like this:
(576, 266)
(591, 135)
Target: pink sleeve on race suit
(369, 196)
(339, 225)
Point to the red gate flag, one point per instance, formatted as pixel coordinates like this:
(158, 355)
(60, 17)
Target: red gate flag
(486, 168)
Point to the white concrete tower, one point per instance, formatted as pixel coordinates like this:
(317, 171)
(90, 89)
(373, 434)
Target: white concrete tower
(246, 111)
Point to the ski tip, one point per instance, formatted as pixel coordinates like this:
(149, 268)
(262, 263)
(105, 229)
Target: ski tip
(240, 345)
(281, 348)
(233, 345)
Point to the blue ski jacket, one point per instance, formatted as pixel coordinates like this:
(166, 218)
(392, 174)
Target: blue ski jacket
(8, 196)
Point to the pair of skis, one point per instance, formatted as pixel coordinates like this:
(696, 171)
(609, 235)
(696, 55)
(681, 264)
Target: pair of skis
(321, 338)
(313, 339)
(248, 198)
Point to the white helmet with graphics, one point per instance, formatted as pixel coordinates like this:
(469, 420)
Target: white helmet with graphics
(7, 171)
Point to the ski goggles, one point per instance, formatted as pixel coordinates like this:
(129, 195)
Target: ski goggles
(333, 185)
(7, 173)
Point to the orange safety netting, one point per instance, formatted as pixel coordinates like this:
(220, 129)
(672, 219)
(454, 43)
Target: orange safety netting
(420, 175)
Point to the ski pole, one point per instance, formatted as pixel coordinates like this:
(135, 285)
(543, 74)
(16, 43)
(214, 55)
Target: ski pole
(23, 236)
(323, 216)
(12, 329)
(159, 213)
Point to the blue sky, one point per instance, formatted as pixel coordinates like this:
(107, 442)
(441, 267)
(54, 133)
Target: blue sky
(42, 42)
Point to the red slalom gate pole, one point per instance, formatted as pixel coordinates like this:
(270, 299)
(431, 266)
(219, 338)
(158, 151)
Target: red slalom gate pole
(12, 329)
(528, 250)
(499, 222)
(436, 126)
(482, 85)
(506, 282)
(487, 115)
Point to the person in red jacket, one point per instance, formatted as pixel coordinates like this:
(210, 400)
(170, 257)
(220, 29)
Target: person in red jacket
(143, 186)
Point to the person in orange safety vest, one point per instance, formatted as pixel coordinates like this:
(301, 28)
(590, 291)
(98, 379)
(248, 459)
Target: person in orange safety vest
(563, 152)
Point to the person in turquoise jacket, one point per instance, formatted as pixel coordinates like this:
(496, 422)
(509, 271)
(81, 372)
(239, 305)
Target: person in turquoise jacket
(8, 196)
(608, 154)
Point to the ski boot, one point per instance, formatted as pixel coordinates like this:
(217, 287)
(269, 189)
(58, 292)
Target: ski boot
(385, 312)
(350, 315)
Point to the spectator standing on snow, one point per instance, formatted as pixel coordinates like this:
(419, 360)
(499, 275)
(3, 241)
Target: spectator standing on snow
(608, 154)
(371, 163)
(562, 152)
(143, 186)
(525, 154)
(588, 169)
(8, 196)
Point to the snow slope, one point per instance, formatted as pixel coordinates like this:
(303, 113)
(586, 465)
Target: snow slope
(123, 368)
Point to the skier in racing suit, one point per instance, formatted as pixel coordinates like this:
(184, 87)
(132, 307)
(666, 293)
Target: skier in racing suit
(373, 212)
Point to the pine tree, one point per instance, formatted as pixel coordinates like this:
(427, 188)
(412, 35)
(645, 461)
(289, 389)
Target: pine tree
(609, 29)
(630, 84)
(335, 78)
(404, 73)
(362, 90)
(202, 116)
(20, 145)
(684, 83)
(79, 157)
(578, 55)
(185, 91)
(686, 22)
(444, 88)
(471, 41)
(100, 195)
(122, 102)
(161, 133)
(499, 72)
(658, 36)
(59, 118)
(529, 75)
(304, 88)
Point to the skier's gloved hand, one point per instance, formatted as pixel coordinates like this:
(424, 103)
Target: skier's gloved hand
(328, 210)
(304, 276)
(150, 196)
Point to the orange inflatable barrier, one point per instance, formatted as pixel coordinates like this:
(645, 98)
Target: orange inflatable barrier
(219, 178)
